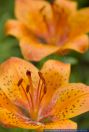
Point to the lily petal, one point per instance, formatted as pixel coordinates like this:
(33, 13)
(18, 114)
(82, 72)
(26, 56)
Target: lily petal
(56, 74)
(34, 16)
(8, 118)
(6, 103)
(30, 47)
(13, 70)
(67, 5)
(71, 100)
(62, 124)
(62, 10)
(80, 44)
(16, 29)
(79, 23)
(33, 50)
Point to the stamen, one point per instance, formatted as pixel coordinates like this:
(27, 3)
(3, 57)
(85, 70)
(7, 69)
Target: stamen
(28, 73)
(41, 86)
(31, 100)
(45, 18)
(45, 89)
(38, 88)
(25, 93)
(28, 91)
(41, 76)
(19, 82)
(27, 88)
(46, 23)
(43, 80)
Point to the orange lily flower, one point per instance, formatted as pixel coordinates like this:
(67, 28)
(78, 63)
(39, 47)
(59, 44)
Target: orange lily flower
(43, 28)
(44, 99)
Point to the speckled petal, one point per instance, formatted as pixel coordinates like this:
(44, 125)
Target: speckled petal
(62, 124)
(69, 101)
(80, 44)
(5, 102)
(38, 15)
(7, 118)
(79, 23)
(11, 72)
(56, 73)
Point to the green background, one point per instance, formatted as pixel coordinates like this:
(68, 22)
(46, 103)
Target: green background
(9, 47)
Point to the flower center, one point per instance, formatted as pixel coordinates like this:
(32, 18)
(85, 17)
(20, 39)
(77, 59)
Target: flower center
(57, 35)
(34, 96)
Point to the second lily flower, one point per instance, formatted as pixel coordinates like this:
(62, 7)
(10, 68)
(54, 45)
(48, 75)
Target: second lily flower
(45, 28)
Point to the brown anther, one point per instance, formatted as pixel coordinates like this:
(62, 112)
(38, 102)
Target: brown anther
(20, 82)
(27, 88)
(28, 73)
(41, 77)
(43, 80)
(45, 89)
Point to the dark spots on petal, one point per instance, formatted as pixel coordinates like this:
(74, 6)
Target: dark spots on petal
(73, 106)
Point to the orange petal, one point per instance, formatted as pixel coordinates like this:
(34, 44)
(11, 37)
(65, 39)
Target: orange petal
(80, 44)
(33, 50)
(62, 10)
(16, 28)
(67, 5)
(13, 70)
(8, 118)
(6, 103)
(30, 47)
(38, 15)
(79, 23)
(56, 74)
(62, 124)
(69, 101)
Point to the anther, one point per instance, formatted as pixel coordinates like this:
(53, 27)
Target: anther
(41, 87)
(28, 73)
(45, 89)
(43, 80)
(20, 82)
(27, 88)
(41, 76)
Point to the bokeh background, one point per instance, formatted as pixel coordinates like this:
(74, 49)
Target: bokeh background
(9, 47)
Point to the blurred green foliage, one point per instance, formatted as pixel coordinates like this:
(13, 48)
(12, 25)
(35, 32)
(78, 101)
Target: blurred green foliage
(9, 47)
